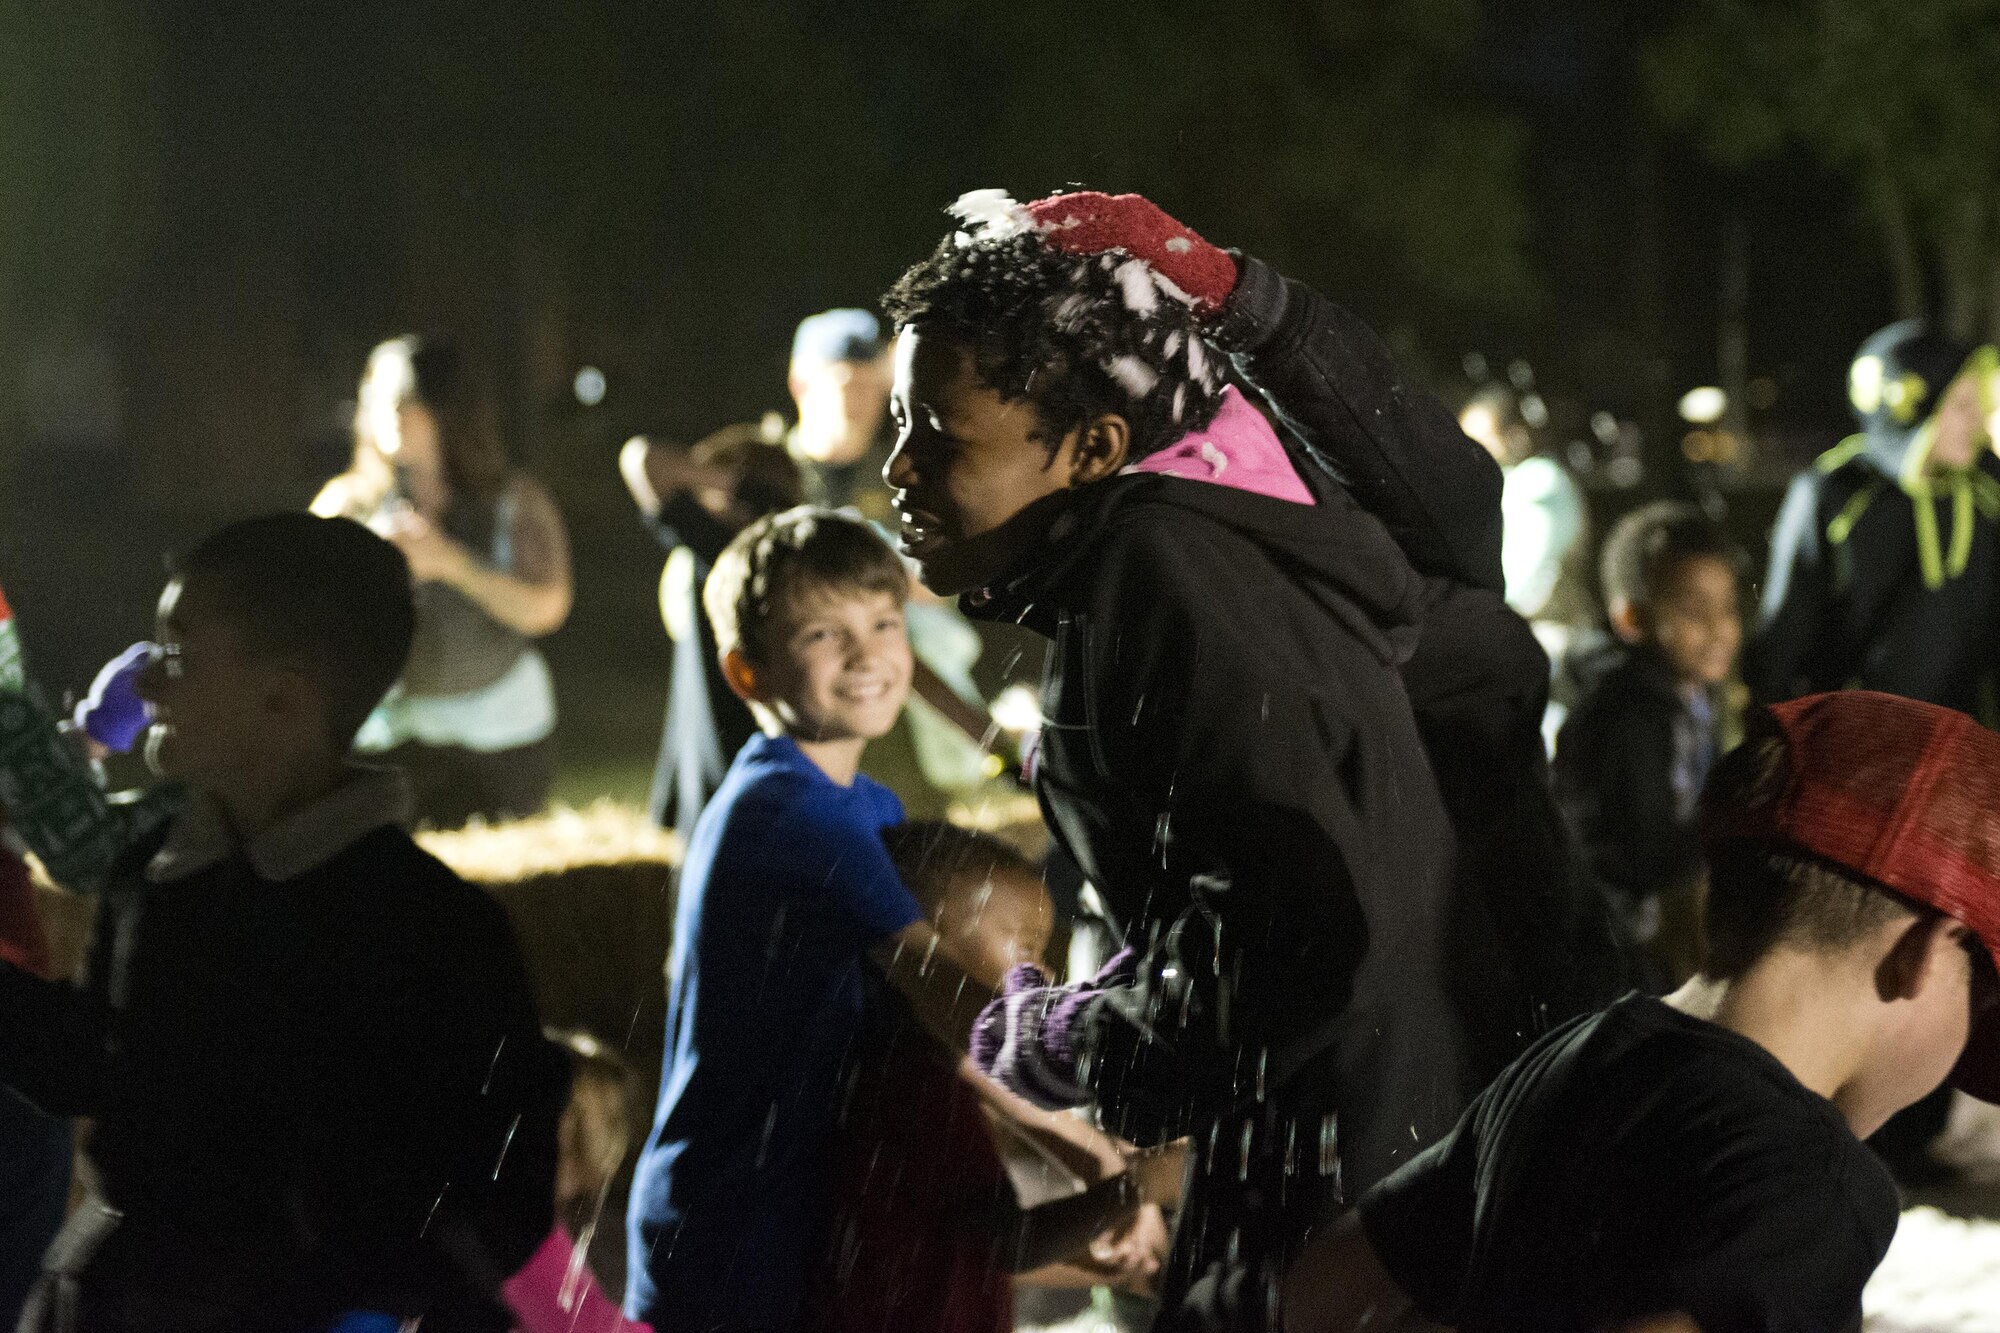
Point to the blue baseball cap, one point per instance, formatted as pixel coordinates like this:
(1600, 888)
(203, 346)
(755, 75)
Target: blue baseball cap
(837, 335)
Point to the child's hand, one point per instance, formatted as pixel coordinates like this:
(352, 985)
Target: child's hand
(1089, 223)
(1027, 1039)
(433, 557)
(1132, 1254)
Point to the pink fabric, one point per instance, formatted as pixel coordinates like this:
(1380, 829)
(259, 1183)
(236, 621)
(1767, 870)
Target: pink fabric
(535, 1295)
(1237, 449)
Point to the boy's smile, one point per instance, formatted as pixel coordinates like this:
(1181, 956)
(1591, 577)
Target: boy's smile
(842, 671)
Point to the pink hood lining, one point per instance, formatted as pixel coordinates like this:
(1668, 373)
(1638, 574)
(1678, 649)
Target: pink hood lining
(1238, 449)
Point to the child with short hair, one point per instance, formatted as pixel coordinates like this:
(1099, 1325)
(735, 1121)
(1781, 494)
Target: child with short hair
(931, 1231)
(1695, 1163)
(1631, 758)
(786, 892)
(310, 1050)
(1270, 654)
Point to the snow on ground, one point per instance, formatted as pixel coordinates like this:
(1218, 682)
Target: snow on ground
(1942, 1276)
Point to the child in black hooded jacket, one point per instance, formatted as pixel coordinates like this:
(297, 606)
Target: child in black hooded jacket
(1229, 749)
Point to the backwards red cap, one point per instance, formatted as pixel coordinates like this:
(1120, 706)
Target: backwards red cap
(1906, 794)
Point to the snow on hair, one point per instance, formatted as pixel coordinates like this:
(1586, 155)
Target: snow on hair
(989, 215)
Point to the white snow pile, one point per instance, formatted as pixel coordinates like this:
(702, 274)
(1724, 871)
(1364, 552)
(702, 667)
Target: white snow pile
(1942, 1275)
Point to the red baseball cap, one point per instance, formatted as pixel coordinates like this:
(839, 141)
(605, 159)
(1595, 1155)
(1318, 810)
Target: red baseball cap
(1906, 794)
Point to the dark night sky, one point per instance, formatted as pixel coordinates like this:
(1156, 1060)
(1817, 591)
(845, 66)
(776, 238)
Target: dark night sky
(227, 203)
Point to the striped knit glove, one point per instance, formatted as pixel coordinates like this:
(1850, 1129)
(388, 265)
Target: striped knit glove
(1029, 1038)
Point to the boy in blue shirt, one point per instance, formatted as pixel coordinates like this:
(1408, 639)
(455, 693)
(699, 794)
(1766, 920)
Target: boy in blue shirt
(785, 890)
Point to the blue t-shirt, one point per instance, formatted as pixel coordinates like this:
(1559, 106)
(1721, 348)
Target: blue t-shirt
(785, 886)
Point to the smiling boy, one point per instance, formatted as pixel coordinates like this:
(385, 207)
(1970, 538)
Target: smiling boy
(786, 892)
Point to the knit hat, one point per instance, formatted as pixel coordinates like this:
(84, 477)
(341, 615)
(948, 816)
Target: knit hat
(1902, 793)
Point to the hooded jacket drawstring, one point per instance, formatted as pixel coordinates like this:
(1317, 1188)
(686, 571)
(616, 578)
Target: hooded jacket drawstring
(1970, 489)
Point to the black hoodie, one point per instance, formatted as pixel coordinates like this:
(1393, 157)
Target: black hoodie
(1229, 753)
(1477, 681)
(1865, 588)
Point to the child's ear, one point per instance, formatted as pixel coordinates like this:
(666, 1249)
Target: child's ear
(741, 676)
(1922, 948)
(1102, 447)
(1626, 622)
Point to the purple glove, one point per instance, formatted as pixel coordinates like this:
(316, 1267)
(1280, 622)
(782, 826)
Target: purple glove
(113, 714)
(1026, 1039)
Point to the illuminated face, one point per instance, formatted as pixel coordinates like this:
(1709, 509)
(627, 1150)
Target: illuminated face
(841, 671)
(840, 405)
(210, 696)
(991, 923)
(1960, 427)
(1697, 620)
(975, 488)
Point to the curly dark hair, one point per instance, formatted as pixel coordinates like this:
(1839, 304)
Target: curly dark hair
(1076, 336)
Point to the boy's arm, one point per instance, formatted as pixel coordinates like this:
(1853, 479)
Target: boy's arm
(53, 1045)
(1395, 446)
(1777, 661)
(54, 1050)
(944, 997)
(1338, 1285)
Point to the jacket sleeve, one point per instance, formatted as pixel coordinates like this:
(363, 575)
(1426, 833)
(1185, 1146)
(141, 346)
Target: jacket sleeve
(1787, 655)
(1230, 759)
(1394, 445)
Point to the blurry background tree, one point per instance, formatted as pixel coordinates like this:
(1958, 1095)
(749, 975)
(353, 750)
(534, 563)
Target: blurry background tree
(1900, 98)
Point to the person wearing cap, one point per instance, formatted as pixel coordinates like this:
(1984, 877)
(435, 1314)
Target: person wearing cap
(1885, 569)
(696, 499)
(1695, 1163)
(1885, 559)
(839, 380)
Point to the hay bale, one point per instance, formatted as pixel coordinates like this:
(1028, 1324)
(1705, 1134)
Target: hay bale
(590, 893)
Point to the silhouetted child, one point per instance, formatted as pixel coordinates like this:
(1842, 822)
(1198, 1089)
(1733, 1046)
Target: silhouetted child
(1632, 756)
(557, 1292)
(309, 1049)
(1694, 1163)
(785, 894)
(931, 1231)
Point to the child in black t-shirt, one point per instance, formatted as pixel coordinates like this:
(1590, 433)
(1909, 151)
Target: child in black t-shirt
(1696, 1163)
(1631, 759)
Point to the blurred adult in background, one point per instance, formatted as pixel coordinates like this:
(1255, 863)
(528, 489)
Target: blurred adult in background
(472, 720)
(1545, 520)
(1885, 569)
(695, 500)
(839, 381)
(1885, 560)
